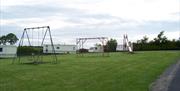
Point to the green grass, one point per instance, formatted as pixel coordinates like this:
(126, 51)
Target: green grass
(119, 72)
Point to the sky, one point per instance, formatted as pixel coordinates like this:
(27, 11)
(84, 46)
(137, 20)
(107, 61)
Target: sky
(71, 19)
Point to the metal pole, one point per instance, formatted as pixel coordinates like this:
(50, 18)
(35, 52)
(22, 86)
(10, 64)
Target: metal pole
(52, 45)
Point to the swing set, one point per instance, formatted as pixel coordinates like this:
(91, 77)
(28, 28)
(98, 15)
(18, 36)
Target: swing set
(81, 41)
(35, 38)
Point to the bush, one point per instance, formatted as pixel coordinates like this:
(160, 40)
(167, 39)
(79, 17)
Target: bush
(28, 50)
(161, 46)
(83, 50)
(111, 46)
(161, 42)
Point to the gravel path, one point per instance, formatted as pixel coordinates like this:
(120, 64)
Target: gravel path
(175, 84)
(168, 80)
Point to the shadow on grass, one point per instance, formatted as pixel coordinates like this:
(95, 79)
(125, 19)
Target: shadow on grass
(34, 63)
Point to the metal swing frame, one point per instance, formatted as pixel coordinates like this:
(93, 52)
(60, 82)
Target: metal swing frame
(81, 41)
(39, 57)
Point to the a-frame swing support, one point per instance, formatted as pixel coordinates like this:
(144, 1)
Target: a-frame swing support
(81, 41)
(127, 44)
(30, 44)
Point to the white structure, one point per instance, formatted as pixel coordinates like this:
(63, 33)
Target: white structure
(126, 46)
(47, 48)
(8, 51)
(96, 49)
(127, 43)
(123, 48)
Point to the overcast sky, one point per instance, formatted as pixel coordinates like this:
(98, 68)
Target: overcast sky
(70, 19)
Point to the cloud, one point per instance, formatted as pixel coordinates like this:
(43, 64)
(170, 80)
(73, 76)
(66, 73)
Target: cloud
(137, 10)
(68, 35)
(116, 30)
(5, 29)
(127, 9)
(81, 18)
(54, 16)
(33, 11)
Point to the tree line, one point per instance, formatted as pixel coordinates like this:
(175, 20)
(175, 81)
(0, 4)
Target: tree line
(9, 38)
(161, 42)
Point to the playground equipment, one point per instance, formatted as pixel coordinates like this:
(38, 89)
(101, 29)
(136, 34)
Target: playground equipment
(81, 41)
(35, 38)
(127, 43)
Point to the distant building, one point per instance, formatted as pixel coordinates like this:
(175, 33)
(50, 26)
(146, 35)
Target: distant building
(47, 48)
(8, 51)
(96, 49)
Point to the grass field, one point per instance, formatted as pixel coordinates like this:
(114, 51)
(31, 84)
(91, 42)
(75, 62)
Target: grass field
(119, 72)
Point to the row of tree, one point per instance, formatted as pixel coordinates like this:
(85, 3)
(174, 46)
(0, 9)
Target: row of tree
(161, 42)
(9, 38)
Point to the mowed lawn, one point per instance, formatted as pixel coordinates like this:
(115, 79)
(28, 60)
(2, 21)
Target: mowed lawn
(118, 72)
